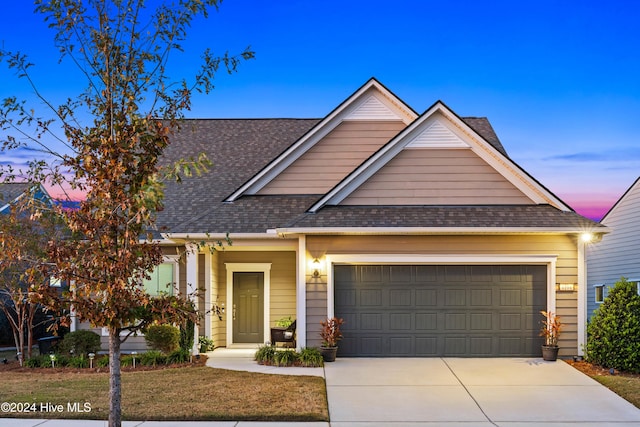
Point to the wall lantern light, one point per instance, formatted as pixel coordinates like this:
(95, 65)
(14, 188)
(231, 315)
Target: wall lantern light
(586, 237)
(315, 265)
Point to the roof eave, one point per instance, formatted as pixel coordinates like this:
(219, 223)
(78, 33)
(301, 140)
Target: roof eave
(439, 230)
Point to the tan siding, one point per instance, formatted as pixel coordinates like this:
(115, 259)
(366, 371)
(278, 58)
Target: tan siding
(564, 247)
(436, 177)
(316, 312)
(283, 282)
(333, 158)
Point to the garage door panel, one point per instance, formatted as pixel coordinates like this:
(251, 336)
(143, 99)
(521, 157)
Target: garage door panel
(481, 346)
(370, 298)
(426, 346)
(426, 321)
(400, 273)
(455, 297)
(481, 297)
(481, 321)
(511, 322)
(401, 321)
(465, 311)
(426, 297)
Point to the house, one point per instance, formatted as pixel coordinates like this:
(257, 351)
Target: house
(12, 193)
(618, 254)
(417, 229)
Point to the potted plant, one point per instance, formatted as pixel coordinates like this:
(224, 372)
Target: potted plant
(550, 331)
(330, 335)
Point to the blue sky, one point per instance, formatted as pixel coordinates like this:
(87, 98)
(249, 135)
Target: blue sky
(559, 80)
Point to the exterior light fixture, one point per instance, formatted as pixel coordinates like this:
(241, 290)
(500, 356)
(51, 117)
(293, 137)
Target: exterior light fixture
(567, 287)
(53, 360)
(587, 237)
(134, 353)
(316, 268)
(91, 356)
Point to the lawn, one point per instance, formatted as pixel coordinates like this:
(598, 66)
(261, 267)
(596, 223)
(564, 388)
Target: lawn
(193, 393)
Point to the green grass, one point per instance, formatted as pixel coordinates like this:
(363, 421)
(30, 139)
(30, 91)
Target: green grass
(191, 393)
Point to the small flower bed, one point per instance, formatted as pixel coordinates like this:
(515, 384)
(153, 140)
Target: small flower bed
(309, 357)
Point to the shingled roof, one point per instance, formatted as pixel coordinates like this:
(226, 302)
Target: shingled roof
(240, 148)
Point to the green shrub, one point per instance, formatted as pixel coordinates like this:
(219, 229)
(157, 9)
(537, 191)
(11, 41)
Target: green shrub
(206, 344)
(81, 342)
(179, 356)
(265, 355)
(187, 333)
(165, 338)
(284, 322)
(285, 358)
(613, 334)
(127, 360)
(78, 362)
(153, 358)
(310, 357)
(42, 361)
(101, 362)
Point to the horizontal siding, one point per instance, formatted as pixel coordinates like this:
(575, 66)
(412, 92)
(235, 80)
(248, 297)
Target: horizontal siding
(564, 247)
(436, 177)
(618, 253)
(283, 283)
(333, 158)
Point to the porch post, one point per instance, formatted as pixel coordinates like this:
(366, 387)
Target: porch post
(208, 273)
(192, 284)
(582, 296)
(301, 293)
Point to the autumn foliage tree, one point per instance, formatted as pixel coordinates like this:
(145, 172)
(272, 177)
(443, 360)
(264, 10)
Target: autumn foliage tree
(26, 228)
(132, 105)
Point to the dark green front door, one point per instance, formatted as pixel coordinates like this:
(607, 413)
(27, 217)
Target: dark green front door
(248, 307)
(440, 310)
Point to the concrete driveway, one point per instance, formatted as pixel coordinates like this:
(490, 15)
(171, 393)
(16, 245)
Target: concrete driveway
(469, 392)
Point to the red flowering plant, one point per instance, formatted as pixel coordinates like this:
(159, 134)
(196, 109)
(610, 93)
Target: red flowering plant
(551, 327)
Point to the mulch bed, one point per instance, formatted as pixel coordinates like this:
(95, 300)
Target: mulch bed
(594, 370)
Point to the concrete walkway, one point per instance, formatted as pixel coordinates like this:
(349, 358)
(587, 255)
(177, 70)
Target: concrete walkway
(431, 392)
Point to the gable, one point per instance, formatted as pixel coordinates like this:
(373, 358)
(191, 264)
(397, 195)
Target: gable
(627, 208)
(437, 176)
(333, 157)
(439, 159)
(370, 103)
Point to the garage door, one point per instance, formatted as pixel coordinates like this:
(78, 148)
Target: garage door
(447, 310)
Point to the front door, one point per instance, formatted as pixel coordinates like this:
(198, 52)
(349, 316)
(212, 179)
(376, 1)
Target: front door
(248, 307)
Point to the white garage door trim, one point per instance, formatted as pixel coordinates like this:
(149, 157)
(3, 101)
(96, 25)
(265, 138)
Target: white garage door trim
(548, 260)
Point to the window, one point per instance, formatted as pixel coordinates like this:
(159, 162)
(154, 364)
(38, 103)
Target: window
(162, 279)
(599, 293)
(637, 283)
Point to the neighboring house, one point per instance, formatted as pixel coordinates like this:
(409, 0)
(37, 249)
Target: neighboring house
(417, 229)
(618, 254)
(11, 193)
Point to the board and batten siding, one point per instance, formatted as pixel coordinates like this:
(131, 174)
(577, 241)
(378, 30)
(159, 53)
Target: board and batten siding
(618, 253)
(283, 283)
(431, 176)
(333, 157)
(562, 246)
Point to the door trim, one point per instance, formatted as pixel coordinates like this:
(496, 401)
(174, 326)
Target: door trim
(248, 267)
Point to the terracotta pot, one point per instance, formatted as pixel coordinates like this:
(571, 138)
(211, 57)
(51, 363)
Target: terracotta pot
(550, 352)
(329, 353)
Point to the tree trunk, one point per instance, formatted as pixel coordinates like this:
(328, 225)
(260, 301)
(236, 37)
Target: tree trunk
(115, 383)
